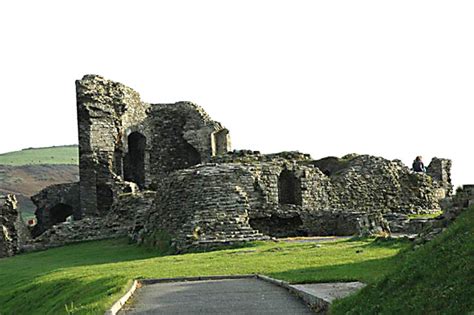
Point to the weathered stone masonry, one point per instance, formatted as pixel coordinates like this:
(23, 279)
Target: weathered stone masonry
(54, 205)
(122, 139)
(13, 231)
(167, 169)
(245, 194)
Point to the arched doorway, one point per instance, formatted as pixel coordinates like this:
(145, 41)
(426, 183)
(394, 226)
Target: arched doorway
(289, 188)
(60, 212)
(135, 161)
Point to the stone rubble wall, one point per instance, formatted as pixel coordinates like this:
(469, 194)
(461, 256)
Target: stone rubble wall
(119, 222)
(370, 183)
(203, 206)
(218, 202)
(51, 197)
(13, 231)
(463, 200)
(355, 182)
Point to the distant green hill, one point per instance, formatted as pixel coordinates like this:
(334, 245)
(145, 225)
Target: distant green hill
(26, 172)
(68, 154)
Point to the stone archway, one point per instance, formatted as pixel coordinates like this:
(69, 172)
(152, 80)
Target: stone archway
(59, 213)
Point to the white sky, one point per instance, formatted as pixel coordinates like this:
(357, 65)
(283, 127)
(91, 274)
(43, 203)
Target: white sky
(388, 78)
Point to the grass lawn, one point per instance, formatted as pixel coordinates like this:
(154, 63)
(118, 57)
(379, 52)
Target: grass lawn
(52, 155)
(89, 277)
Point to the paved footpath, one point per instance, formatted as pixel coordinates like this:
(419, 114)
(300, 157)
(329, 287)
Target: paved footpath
(228, 296)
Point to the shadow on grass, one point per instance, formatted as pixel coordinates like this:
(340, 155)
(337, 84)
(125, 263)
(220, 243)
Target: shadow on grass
(367, 271)
(28, 268)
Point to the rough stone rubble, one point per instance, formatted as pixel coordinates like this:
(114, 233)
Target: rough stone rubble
(13, 231)
(167, 170)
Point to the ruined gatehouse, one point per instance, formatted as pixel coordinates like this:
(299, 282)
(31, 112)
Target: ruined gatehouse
(154, 170)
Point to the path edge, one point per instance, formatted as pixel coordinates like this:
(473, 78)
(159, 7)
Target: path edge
(117, 306)
(316, 304)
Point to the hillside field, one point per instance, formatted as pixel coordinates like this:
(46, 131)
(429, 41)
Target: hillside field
(67, 154)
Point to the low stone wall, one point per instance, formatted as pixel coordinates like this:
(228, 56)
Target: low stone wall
(463, 200)
(118, 223)
(328, 223)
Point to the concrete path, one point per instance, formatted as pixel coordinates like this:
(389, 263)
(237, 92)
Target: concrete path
(330, 291)
(228, 296)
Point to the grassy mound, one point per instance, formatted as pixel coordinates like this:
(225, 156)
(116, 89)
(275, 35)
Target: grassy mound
(87, 278)
(67, 154)
(437, 278)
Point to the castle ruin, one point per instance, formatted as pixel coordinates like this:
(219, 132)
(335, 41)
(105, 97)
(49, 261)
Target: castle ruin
(148, 170)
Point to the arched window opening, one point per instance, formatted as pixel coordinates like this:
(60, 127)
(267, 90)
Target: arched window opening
(220, 142)
(135, 159)
(289, 188)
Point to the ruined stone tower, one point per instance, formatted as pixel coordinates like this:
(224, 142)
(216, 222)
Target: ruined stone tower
(123, 140)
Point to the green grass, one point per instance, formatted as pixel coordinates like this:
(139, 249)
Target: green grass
(32, 156)
(425, 215)
(89, 277)
(437, 278)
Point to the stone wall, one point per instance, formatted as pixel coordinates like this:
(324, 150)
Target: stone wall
(369, 183)
(203, 206)
(453, 206)
(13, 231)
(246, 193)
(183, 136)
(54, 205)
(126, 212)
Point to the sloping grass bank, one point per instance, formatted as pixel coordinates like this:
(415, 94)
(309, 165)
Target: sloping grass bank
(89, 277)
(437, 278)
